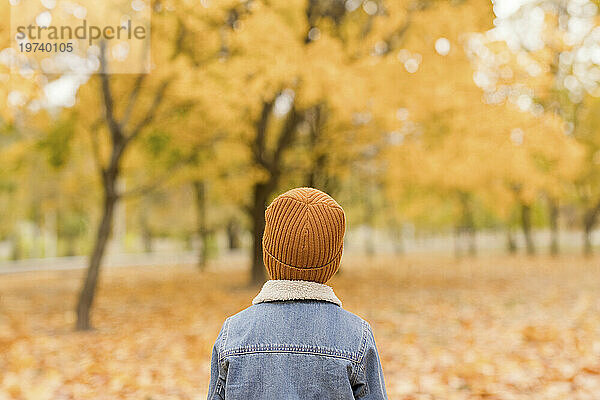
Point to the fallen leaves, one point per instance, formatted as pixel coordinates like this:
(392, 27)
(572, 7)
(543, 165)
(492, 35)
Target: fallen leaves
(497, 328)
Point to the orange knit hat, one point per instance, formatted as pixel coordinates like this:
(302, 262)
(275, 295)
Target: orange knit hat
(304, 236)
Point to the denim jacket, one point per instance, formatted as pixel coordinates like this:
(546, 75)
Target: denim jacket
(295, 342)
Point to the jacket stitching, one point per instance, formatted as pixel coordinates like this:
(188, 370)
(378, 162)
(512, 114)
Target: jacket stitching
(365, 389)
(219, 386)
(218, 390)
(361, 353)
(224, 343)
(291, 348)
(363, 341)
(225, 334)
(282, 350)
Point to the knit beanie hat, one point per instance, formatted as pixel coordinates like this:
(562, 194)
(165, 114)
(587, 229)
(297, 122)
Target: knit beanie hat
(304, 236)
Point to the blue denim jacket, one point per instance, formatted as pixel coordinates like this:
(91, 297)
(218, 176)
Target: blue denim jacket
(295, 342)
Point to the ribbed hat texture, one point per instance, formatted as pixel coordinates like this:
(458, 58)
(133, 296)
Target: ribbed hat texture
(304, 236)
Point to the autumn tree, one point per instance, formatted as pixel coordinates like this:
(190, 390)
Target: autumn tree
(283, 79)
(466, 149)
(548, 66)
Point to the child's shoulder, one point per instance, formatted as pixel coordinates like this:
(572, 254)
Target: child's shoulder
(318, 312)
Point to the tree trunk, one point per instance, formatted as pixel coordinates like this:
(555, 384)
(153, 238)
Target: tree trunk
(233, 234)
(201, 224)
(526, 225)
(37, 248)
(511, 245)
(16, 249)
(70, 251)
(472, 241)
(259, 204)
(146, 231)
(50, 235)
(456, 234)
(369, 242)
(88, 291)
(398, 237)
(271, 161)
(587, 240)
(468, 223)
(589, 221)
(188, 240)
(120, 139)
(317, 174)
(553, 214)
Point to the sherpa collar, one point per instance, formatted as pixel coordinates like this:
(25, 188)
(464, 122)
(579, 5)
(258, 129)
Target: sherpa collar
(282, 290)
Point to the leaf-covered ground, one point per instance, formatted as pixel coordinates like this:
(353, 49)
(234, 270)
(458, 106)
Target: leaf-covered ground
(497, 328)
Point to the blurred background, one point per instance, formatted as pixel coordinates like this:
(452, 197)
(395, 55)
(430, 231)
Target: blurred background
(461, 138)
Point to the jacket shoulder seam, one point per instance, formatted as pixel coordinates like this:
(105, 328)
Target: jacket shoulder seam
(361, 352)
(224, 340)
(363, 341)
(295, 349)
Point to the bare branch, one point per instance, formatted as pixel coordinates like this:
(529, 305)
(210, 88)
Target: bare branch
(113, 124)
(132, 99)
(287, 134)
(150, 114)
(262, 124)
(160, 181)
(192, 158)
(591, 213)
(96, 147)
(395, 39)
